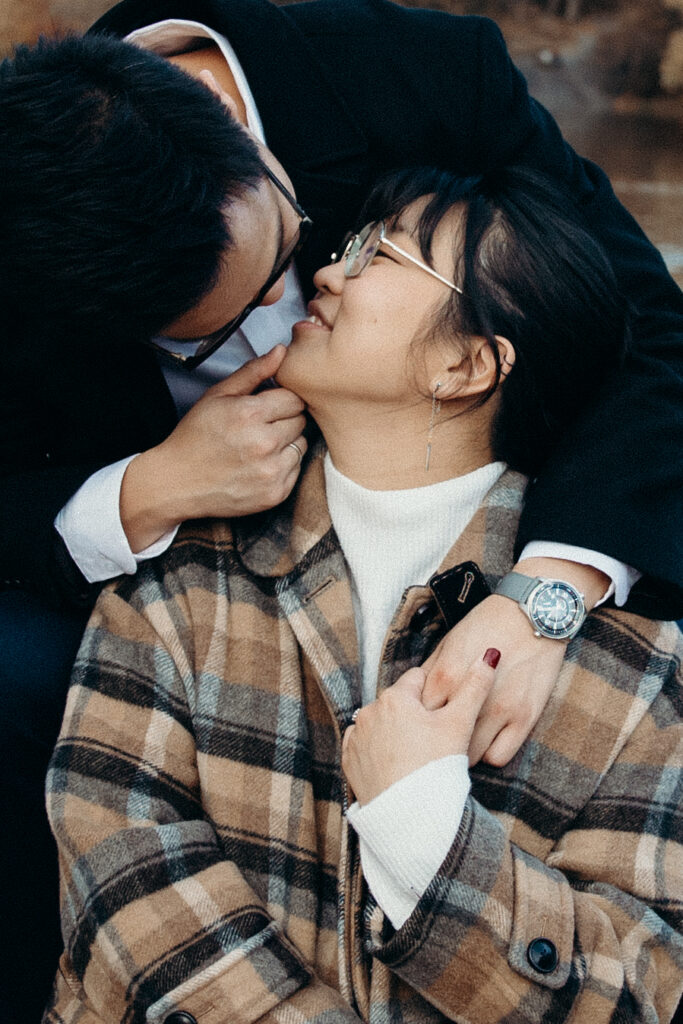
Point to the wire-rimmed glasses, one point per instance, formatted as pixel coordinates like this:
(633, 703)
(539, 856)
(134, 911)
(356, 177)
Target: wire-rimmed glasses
(205, 347)
(358, 251)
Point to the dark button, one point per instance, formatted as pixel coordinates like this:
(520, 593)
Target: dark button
(180, 1017)
(421, 617)
(542, 955)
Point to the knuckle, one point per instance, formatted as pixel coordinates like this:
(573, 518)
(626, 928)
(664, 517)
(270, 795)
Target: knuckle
(440, 679)
(528, 717)
(498, 710)
(521, 711)
(498, 758)
(275, 494)
(248, 405)
(262, 448)
(262, 473)
(241, 414)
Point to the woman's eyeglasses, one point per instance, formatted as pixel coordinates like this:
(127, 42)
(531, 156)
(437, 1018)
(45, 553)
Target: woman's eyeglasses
(358, 252)
(205, 347)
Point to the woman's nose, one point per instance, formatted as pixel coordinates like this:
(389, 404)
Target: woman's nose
(330, 278)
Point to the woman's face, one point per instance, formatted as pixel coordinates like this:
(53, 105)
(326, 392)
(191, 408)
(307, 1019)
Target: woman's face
(356, 342)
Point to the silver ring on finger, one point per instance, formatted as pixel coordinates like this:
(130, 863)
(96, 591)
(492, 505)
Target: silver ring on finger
(295, 446)
(354, 716)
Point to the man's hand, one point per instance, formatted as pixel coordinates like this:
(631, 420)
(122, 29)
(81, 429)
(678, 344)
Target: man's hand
(529, 664)
(230, 455)
(396, 734)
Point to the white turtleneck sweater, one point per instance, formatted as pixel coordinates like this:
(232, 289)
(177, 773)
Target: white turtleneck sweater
(392, 540)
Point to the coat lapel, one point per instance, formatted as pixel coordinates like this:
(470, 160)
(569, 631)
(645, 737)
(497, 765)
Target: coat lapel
(300, 554)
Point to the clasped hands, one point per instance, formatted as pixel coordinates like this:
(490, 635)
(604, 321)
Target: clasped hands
(456, 703)
(237, 452)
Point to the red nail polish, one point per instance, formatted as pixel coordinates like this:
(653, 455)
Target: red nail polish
(492, 657)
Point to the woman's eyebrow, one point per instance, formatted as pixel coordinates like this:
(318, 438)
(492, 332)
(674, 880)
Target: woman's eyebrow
(399, 227)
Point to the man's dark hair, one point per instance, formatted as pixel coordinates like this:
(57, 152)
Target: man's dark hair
(116, 170)
(531, 271)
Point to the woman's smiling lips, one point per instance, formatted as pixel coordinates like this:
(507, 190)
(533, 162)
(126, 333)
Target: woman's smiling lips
(314, 319)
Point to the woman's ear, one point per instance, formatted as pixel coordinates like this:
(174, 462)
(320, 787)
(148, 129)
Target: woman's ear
(475, 373)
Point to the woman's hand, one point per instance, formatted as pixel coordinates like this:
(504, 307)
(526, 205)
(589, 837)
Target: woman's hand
(397, 734)
(529, 666)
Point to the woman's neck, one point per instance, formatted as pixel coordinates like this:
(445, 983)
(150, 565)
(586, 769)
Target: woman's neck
(384, 449)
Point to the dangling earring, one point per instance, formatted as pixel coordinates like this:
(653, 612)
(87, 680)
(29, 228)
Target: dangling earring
(436, 409)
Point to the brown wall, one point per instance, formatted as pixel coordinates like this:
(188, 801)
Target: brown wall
(25, 20)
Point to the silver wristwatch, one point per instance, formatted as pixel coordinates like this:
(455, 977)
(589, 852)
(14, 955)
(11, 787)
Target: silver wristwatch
(554, 608)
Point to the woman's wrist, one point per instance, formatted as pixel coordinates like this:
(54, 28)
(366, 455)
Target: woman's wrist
(588, 580)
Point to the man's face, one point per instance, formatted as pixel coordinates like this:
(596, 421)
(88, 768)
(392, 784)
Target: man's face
(262, 225)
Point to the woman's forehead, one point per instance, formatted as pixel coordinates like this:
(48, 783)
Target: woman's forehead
(431, 231)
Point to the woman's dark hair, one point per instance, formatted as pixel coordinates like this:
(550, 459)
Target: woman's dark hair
(116, 172)
(532, 272)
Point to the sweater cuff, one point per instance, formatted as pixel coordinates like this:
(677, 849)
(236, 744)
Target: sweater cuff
(406, 832)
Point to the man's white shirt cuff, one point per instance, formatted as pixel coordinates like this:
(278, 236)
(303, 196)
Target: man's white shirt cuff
(90, 525)
(623, 576)
(406, 832)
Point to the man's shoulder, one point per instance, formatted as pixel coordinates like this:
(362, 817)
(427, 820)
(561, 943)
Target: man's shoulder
(352, 17)
(312, 17)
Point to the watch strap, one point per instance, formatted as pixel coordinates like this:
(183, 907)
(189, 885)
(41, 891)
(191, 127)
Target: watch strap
(517, 586)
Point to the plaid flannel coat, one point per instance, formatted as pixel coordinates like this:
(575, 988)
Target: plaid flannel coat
(198, 803)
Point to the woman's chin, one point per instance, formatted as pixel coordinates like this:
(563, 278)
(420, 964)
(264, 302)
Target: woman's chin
(287, 375)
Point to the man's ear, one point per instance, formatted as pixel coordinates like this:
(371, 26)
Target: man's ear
(211, 82)
(209, 67)
(475, 373)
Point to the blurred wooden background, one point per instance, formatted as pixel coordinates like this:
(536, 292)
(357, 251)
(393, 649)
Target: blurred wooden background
(24, 20)
(611, 72)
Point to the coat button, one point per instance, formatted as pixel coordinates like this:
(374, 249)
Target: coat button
(180, 1017)
(542, 955)
(420, 617)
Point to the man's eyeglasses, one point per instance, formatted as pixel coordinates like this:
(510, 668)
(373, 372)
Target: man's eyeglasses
(207, 346)
(358, 252)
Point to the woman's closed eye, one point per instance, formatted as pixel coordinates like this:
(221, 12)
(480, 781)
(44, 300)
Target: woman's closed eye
(385, 255)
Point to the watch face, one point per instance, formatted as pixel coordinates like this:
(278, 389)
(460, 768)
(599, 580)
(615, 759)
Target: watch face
(556, 609)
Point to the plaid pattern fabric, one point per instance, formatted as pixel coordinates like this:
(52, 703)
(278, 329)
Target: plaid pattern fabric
(197, 800)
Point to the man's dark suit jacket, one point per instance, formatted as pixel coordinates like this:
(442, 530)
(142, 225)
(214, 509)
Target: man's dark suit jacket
(348, 89)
